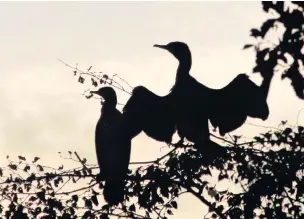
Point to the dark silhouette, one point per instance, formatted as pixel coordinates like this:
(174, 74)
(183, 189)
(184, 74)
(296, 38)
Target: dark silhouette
(268, 168)
(113, 147)
(227, 108)
(148, 112)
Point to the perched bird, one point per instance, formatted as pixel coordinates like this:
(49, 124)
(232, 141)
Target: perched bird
(148, 112)
(226, 108)
(113, 147)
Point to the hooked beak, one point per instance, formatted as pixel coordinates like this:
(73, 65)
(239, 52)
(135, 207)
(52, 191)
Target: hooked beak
(161, 46)
(94, 92)
(101, 99)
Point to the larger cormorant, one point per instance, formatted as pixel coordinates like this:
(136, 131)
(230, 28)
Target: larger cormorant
(113, 147)
(227, 108)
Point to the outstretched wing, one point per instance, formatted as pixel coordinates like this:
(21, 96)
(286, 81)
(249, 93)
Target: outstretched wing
(148, 112)
(230, 106)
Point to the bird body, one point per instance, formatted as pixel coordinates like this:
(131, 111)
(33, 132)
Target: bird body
(113, 147)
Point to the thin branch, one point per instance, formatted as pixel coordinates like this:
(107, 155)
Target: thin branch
(91, 74)
(202, 199)
(155, 161)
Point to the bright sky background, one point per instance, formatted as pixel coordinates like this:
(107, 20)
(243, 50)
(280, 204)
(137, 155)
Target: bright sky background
(42, 111)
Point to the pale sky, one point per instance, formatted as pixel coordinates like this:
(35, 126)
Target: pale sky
(42, 111)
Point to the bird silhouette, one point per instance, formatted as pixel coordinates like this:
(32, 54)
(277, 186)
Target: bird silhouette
(226, 108)
(148, 112)
(113, 147)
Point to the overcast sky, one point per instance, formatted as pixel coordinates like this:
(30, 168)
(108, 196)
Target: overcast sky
(42, 111)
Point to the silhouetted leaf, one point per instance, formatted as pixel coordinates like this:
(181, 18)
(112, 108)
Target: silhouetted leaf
(13, 166)
(26, 168)
(255, 33)
(104, 216)
(266, 26)
(81, 80)
(132, 208)
(35, 159)
(247, 46)
(40, 168)
(94, 200)
(174, 204)
(21, 158)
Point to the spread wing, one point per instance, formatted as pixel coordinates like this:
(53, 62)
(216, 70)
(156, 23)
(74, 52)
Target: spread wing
(230, 106)
(148, 112)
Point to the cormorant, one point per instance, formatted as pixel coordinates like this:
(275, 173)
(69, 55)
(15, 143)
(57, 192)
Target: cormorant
(113, 147)
(148, 112)
(227, 108)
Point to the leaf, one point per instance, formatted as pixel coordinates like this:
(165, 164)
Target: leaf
(211, 192)
(35, 159)
(174, 204)
(255, 32)
(33, 198)
(222, 176)
(104, 216)
(75, 198)
(94, 200)
(169, 212)
(266, 26)
(164, 190)
(41, 195)
(40, 168)
(94, 83)
(13, 166)
(21, 158)
(132, 208)
(247, 46)
(26, 168)
(230, 166)
(267, 5)
(88, 203)
(81, 80)
(220, 208)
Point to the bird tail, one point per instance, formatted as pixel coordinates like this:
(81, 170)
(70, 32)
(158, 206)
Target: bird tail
(114, 192)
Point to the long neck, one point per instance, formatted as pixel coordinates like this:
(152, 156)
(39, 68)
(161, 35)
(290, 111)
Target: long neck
(266, 84)
(109, 105)
(183, 68)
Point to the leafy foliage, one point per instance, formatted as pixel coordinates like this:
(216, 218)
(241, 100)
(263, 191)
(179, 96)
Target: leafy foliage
(285, 54)
(268, 170)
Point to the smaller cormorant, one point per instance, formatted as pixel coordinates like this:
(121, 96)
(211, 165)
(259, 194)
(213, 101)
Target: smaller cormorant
(113, 147)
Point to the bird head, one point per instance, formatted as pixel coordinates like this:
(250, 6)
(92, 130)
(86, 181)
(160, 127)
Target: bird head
(180, 50)
(108, 94)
